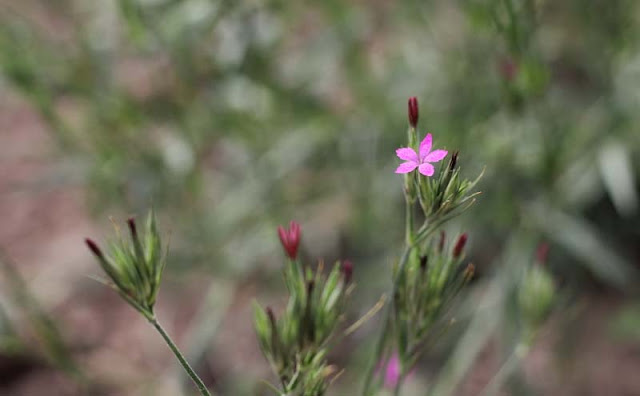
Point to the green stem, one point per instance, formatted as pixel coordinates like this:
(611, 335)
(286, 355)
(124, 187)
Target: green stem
(398, 387)
(201, 386)
(381, 344)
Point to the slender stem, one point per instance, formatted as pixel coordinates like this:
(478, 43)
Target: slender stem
(399, 383)
(409, 220)
(201, 386)
(381, 344)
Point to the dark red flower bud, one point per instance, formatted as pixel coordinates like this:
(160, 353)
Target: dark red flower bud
(453, 161)
(131, 222)
(310, 286)
(272, 317)
(94, 248)
(457, 249)
(413, 111)
(508, 68)
(542, 253)
(424, 261)
(290, 239)
(347, 270)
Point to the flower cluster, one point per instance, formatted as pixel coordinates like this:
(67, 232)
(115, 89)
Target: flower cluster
(296, 342)
(430, 272)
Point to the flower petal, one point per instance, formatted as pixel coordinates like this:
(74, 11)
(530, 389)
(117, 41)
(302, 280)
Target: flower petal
(407, 154)
(425, 146)
(426, 169)
(435, 156)
(406, 167)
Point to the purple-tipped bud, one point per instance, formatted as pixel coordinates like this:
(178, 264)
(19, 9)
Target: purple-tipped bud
(131, 222)
(542, 253)
(347, 270)
(443, 236)
(457, 249)
(290, 239)
(94, 248)
(413, 111)
(424, 261)
(453, 161)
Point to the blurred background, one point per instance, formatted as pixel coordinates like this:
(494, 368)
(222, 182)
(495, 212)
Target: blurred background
(231, 117)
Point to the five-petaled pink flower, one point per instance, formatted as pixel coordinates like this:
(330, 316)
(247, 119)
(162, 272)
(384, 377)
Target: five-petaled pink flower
(422, 161)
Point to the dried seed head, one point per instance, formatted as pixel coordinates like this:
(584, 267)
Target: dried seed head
(469, 272)
(413, 111)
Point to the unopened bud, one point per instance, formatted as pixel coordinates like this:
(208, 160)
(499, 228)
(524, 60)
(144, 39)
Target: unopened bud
(310, 285)
(347, 270)
(457, 249)
(424, 261)
(272, 317)
(542, 253)
(290, 239)
(94, 248)
(453, 161)
(413, 111)
(131, 222)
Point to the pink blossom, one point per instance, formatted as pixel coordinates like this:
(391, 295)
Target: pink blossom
(392, 373)
(290, 238)
(422, 161)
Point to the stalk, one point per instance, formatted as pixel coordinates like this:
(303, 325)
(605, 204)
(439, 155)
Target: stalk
(174, 348)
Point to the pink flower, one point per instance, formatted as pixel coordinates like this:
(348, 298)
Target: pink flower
(290, 239)
(392, 373)
(422, 162)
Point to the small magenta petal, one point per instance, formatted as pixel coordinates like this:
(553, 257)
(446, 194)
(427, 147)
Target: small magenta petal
(407, 154)
(435, 156)
(426, 169)
(425, 146)
(407, 167)
(392, 373)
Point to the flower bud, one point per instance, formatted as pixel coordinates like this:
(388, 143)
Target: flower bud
(453, 161)
(131, 222)
(424, 261)
(542, 253)
(457, 249)
(347, 270)
(290, 239)
(94, 248)
(413, 111)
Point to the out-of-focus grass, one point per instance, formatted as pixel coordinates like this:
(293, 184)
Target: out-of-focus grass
(231, 117)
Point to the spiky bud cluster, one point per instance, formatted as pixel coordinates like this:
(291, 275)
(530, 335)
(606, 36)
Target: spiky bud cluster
(296, 342)
(134, 268)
